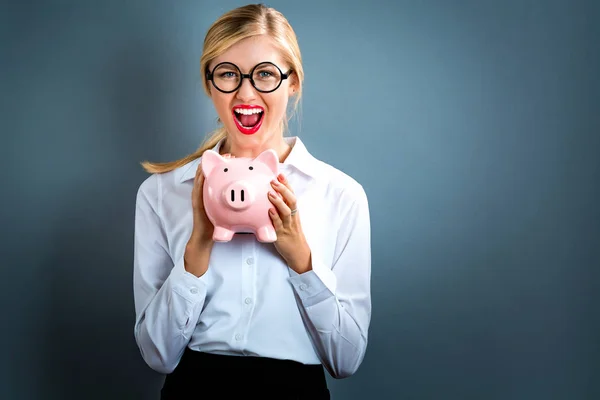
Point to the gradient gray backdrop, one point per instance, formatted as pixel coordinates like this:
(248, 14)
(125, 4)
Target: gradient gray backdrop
(473, 126)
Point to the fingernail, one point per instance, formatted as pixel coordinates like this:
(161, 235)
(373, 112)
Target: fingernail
(272, 194)
(274, 182)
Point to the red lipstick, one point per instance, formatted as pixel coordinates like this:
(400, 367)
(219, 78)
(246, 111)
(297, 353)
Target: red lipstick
(248, 130)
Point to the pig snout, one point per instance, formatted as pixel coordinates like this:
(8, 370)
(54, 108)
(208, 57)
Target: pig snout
(239, 195)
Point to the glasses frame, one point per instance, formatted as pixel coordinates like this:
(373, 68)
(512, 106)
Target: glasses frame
(209, 76)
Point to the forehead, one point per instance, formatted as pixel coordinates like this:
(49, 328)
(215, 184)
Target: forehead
(251, 51)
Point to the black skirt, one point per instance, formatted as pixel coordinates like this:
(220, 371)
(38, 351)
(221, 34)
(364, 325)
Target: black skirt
(211, 376)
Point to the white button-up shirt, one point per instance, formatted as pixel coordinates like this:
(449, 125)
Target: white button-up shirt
(249, 302)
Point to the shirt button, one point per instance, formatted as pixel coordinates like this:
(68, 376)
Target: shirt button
(249, 260)
(238, 336)
(194, 290)
(248, 300)
(303, 286)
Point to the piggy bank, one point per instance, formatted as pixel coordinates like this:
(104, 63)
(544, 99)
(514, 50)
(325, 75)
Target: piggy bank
(235, 194)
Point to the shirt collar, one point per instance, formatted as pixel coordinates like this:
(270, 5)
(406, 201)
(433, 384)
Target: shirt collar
(299, 159)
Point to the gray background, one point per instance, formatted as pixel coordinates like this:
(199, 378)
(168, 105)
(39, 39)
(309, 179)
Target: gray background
(473, 126)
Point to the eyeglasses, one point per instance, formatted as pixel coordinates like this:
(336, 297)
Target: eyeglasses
(266, 77)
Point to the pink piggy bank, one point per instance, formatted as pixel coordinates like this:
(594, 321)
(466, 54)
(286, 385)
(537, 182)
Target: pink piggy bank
(235, 194)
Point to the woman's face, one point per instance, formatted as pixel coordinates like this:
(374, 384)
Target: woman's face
(252, 118)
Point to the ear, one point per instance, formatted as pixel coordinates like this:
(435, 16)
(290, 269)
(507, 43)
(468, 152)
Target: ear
(210, 159)
(293, 88)
(270, 159)
(208, 83)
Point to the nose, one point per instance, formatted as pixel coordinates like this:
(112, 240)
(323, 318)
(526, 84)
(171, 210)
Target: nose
(239, 195)
(246, 93)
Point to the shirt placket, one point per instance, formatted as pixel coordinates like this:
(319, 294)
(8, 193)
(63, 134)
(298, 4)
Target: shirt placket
(248, 288)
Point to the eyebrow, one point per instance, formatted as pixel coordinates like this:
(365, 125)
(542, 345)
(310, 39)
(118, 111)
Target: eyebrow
(242, 69)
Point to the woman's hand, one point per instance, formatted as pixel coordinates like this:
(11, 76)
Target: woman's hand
(199, 246)
(291, 243)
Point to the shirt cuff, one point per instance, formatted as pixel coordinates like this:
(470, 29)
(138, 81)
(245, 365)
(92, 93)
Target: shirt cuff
(316, 285)
(186, 284)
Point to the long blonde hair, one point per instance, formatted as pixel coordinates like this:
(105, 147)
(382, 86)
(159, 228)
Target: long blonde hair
(229, 29)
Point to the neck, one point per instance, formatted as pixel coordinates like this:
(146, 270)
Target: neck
(252, 150)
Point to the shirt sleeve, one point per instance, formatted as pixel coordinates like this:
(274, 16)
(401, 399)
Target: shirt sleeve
(168, 299)
(335, 300)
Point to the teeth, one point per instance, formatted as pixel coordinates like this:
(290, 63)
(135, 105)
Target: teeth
(246, 111)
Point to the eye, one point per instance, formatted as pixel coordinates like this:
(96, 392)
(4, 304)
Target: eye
(251, 168)
(228, 75)
(225, 170)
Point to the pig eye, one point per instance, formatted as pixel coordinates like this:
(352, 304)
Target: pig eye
(251, 168)
(225, 170)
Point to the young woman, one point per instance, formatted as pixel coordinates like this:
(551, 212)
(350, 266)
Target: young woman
(243, 315)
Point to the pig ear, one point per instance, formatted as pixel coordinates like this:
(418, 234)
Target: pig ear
(210, 159)
(270, 159)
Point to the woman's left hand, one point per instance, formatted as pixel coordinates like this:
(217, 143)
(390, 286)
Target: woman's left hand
(291, 243)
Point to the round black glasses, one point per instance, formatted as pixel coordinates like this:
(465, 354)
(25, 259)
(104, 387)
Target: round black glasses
(266, 77)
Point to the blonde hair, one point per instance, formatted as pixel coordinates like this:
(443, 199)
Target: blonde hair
(232, 27)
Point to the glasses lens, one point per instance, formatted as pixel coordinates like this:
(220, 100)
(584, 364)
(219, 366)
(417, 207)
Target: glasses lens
(226, 77)
(266, 77)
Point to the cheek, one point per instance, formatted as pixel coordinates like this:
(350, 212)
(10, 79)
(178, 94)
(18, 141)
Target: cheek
(277, 106)
(221, 103)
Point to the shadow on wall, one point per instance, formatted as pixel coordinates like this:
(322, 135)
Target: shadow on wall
(87, 348)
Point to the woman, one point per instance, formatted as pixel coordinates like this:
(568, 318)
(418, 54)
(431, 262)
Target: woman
(264, 317)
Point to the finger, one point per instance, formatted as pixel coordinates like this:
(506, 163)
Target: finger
(200, 188)
(197, 176)
(283, 210)
(277, 222)
(288, 195)
(198, 184)
(281, 178)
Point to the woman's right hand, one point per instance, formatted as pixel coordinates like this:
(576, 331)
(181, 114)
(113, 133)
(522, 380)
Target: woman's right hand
(199, 246)
(202, 230)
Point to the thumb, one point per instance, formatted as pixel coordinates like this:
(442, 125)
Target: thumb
(201, 188)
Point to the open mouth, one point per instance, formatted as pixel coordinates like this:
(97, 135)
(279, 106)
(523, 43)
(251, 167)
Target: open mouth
(248, 119)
